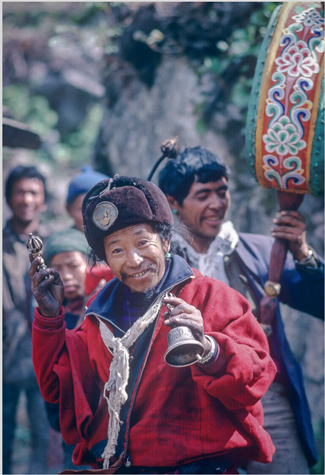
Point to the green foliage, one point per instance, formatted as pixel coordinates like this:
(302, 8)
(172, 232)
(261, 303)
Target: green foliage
(34, 111)
(240, 93)
(201, 126)
(236, 55)
(97, 28)
(231, 68)
(34, 15)
(78, 146)
(87, 14)
(62, 27)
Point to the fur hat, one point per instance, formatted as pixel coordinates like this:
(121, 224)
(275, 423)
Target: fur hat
(120, 202)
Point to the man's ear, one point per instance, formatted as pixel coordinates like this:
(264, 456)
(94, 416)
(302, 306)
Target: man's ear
(43, 208)
(67, 207)
(172, 202)
(166, 246)
(9, 204)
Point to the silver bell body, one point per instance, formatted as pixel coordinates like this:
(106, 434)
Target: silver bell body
(183, 349)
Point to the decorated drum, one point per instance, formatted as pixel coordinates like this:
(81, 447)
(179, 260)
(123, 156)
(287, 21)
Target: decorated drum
(285, 124)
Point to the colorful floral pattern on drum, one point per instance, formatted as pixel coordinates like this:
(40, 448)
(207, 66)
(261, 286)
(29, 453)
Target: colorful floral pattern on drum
(288, 154)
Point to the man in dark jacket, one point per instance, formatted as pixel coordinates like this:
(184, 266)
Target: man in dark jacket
(25, 192)
(196, 185)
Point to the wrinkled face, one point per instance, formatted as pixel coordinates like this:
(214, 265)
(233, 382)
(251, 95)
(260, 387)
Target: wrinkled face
(204, 209)
(75, 211)
(72, 268)
(136, 255)
(27, 199)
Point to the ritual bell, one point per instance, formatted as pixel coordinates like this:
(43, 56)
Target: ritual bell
(183, 349)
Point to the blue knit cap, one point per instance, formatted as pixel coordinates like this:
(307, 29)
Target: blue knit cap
(82, 182)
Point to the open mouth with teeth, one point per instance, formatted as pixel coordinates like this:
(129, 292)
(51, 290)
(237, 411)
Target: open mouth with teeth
(139, 274)
(213, 219)
(142, 273)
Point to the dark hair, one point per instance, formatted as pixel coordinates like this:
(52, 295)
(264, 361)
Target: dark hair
(20, 172)
(193, 164)
(164, 230)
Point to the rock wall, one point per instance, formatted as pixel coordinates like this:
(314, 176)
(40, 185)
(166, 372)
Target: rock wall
(142, 118)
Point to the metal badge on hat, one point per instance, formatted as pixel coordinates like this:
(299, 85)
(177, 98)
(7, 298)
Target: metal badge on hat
(104, 215)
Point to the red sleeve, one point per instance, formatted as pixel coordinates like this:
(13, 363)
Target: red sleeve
(64, 374)
(248, 368)
(48, 340)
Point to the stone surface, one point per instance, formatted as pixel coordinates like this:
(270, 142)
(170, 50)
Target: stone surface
(142, 118)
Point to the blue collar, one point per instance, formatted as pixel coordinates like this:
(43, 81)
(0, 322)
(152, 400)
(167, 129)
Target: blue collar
(108, 302)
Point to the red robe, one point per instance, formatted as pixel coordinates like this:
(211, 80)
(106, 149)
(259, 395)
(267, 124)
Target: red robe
(179, 414)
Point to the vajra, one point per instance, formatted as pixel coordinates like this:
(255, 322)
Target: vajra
(34, 246)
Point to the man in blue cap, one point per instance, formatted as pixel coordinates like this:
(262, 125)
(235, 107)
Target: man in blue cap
(77, 190)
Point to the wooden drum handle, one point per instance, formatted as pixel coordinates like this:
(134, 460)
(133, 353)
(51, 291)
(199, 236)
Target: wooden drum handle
(288, 202)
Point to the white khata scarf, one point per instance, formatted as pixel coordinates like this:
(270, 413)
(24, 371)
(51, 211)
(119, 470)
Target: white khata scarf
(212, 262)
(119, 372)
